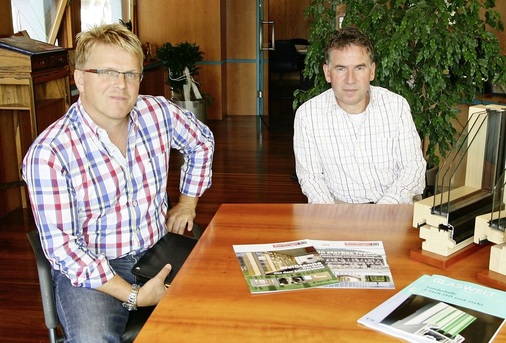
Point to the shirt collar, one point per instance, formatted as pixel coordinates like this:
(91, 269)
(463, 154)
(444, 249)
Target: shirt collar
(90, 124)
(335, 106)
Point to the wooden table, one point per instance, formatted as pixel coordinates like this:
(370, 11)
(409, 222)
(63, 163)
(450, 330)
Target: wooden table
(209, 300)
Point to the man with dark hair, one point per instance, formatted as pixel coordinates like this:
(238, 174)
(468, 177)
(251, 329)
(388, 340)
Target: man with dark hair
(356, 143)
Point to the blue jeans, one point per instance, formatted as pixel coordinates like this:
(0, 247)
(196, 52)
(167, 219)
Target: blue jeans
(90, 316)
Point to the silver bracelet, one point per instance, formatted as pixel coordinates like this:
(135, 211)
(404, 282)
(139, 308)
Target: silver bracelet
(131, 303)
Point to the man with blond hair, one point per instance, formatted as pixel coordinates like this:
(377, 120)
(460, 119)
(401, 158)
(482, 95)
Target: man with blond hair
(97, 182)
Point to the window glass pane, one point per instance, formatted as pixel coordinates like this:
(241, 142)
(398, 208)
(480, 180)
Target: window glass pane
(34, 17)
(37, 16)
(95, 12)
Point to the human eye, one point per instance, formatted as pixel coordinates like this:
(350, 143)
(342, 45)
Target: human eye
(131, 75)
(108, 73)
(340, 69)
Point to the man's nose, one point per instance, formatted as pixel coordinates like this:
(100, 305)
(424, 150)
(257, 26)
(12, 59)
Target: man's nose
(350, 76)
(120, 80)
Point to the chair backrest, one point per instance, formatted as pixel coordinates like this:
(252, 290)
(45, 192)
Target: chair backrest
(299, 41)
(284, 58)
(135, 321)
(46, 287)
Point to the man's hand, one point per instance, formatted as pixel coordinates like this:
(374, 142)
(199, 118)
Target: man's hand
(149, 294)
(180, 217)
(153, 290)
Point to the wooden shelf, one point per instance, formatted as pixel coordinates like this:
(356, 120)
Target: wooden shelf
(14, 107)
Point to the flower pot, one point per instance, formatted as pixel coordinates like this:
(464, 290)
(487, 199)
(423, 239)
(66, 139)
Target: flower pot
(197, 107)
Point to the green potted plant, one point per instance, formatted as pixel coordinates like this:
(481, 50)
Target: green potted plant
(176, 59)
(437, 54)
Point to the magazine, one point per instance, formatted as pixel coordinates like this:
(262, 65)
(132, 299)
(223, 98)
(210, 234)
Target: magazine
(440, 309)
(312, 263)
(283, 266)
(356, 264)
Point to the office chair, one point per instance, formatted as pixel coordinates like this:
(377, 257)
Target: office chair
(305, 83)
(283, 59)
(299, 41)
(301, 57)
(135, 321)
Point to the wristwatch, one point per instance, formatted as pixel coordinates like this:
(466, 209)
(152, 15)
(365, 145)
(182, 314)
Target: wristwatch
(131, 303)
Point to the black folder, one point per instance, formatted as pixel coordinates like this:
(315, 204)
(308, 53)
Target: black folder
(171, 248)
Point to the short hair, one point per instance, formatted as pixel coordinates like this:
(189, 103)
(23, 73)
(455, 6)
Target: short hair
(108, 34)
(345, 37)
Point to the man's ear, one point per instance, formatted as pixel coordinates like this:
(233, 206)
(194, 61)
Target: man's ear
(326, 72)
(79, 80)
(373, 71)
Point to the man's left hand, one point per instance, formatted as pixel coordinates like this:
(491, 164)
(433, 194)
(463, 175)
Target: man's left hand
(181, 216)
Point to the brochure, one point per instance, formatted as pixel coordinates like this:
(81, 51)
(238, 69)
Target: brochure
(283, 266)
(312, 263)
(356, 264)
(441, 309)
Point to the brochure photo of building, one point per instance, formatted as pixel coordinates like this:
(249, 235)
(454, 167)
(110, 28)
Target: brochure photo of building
(283, 266)
(436, 320)
(440, 309)
(356, 264)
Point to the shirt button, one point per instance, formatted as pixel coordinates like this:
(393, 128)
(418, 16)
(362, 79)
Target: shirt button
(134, 203)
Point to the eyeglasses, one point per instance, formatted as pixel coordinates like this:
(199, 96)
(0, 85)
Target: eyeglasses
(110, 74)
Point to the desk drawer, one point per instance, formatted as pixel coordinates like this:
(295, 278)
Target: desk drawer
(49, 61)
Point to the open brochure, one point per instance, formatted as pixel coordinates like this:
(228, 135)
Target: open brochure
(440, 309)
(356, 264)
(308, 263)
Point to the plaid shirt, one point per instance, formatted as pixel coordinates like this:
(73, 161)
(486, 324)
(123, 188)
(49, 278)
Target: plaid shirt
(380, 161)
(92, 204)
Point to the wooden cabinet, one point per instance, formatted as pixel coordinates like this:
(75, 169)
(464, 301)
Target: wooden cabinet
(34, 92)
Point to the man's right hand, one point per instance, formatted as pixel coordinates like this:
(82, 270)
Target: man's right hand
(153, 290)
